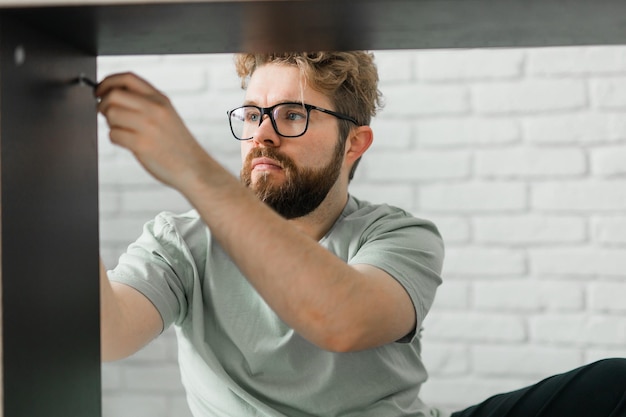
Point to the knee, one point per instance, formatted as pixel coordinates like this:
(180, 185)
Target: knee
(615, 367)
(612, 363)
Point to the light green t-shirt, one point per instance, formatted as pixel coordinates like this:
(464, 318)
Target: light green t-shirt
(238, 358)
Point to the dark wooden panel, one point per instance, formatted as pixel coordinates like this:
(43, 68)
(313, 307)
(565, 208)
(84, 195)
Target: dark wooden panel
(49, 217)
(256, 25)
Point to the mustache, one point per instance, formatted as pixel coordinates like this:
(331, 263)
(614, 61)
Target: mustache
(285, 161)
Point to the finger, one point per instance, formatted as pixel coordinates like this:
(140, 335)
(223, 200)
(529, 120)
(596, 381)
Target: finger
(125, 81)
(121, 118)
(124, 99)
(125, 138)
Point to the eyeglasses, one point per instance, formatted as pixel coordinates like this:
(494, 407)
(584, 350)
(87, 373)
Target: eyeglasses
(289, 120)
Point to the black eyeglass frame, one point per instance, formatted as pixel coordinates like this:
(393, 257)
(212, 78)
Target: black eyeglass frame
(270, 113)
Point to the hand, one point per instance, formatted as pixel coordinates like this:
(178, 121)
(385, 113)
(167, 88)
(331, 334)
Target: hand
(143, 120)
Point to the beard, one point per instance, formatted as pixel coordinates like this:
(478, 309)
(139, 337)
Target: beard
(303, 189)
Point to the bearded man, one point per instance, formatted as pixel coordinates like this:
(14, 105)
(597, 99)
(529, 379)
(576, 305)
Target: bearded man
(290, 297)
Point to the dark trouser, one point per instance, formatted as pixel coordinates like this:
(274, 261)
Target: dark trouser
(594, 390)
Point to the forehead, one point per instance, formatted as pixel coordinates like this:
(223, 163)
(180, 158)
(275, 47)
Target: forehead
(275, 83)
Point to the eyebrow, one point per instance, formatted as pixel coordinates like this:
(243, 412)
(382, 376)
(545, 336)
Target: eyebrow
(253, 103)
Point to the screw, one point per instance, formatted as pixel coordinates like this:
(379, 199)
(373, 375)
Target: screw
(83, 80)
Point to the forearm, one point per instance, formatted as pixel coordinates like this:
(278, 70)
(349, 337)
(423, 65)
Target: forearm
(327, 301)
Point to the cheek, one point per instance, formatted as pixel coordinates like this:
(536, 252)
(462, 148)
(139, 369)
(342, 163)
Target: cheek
(245, 148)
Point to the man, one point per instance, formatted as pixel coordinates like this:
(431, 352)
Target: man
(290, 297)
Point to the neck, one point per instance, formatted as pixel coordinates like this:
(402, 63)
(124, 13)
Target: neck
(317, 223)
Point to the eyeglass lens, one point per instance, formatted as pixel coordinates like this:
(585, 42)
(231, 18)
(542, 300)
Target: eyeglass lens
(290, 119)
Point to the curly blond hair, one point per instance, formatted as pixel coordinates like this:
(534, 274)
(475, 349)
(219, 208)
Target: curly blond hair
(349, 79)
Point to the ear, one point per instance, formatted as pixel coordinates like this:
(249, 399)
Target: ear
(359, 140)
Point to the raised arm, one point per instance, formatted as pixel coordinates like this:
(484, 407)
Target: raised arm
(334, 305)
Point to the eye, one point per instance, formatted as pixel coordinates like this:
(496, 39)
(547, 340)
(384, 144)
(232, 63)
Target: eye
(295, 116)
(291, 113)
(252, 115)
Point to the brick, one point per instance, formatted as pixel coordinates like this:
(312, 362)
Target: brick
(425, 100)
(530, 162)
(608, 296)
(453, 229)
(485, 196)
(126, 171)
(207, 106)
(134, 405)
(178, 406)
(156, 350)
(477, 261)
(472, 64)
(219, 102)
(223, 77)
(215, 137)
(578, 262)
(562, 296)
(529, 96)
(596, 354)
(459, 392)
(393, 194)
(474, 327)
(466, 131)
(529, 229)
(110, 253)
(419, 165)
(609, 229)
(394, 66)
(571, 128)
(609, 93)
(578, 330)
(110, 64)
(390, 134)
(202, 60)
(157, 377)
(111, 376)
(197, 107)
(153, 200)
(169, 337)
(576, 60)
(175, 79)
(121, 229)
(445, 358)
(108, 201)
(452, 295)
(608, 161)
(576, 196)
(523, 360)
(617, 126)
(527, 296)
(106, 149)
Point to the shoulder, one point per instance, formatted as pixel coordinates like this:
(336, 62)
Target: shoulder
(381, 217)
(381, 228)
(175, 233)
(167, 223)
(182, 220)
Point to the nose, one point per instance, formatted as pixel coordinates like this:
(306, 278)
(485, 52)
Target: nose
(265, 133)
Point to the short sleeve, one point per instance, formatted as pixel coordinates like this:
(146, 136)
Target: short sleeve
(411, 251)
(160, 266)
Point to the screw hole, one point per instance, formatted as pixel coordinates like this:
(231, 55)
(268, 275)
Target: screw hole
(20, 55)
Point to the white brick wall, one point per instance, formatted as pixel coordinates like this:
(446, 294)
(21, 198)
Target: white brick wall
(517, 154)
